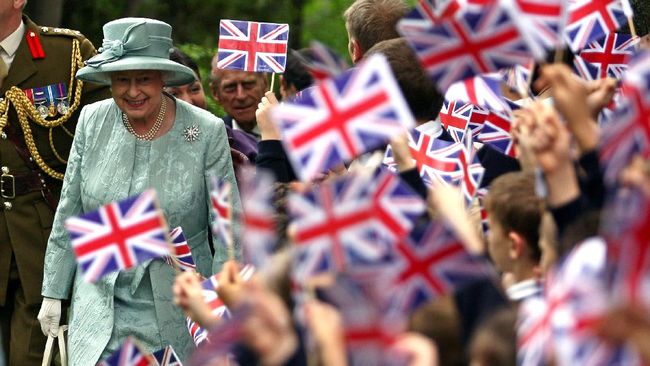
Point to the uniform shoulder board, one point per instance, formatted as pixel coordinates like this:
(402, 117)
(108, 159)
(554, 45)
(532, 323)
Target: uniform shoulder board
(51, 31)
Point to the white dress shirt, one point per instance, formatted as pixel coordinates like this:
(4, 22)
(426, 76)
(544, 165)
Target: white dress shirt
(9, 45)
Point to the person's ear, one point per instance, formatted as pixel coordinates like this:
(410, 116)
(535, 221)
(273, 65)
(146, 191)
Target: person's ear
(517, 245)
(214, 92)
(19, 4)
(355, 51)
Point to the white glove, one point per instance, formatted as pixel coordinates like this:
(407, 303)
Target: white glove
(49, 316)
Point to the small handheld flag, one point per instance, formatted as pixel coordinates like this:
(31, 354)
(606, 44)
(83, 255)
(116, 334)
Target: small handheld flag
(119, 235)
(182, 255)
(129, 354)
(252, 46)
(166, 357)
(220, 197)
(343, 118)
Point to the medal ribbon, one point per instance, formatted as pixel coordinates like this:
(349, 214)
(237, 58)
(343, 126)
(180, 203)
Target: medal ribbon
(50, 95)
(61, 92)
(30, 95)
(40, 96)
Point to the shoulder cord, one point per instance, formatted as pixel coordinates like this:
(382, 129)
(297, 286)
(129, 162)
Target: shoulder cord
(26, 110)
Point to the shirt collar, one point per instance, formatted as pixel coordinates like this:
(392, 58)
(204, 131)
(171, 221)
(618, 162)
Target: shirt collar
(524, 289)
(12, 42)
(255, 132)
(432, 128)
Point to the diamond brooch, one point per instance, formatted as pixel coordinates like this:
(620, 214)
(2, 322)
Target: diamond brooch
(191, 133)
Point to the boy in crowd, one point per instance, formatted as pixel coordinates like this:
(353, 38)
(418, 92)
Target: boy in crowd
(514, 215)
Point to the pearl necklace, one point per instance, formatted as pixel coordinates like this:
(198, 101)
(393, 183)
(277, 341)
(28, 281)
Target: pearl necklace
(154, 129)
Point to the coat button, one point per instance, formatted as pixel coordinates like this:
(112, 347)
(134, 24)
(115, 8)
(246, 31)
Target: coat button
(8, 206)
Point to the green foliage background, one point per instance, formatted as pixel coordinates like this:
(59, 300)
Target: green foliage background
(196, 22)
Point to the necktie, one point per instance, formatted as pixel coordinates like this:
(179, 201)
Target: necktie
(4, 70)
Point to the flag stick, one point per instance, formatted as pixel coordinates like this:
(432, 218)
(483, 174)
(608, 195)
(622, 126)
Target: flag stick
(230, 239)
(175, 265)
(149, 356)
(272, 81)
(629, 14)
(630, 22)
(559, 55)
(170, 244)
(174, 256)
(526, 94)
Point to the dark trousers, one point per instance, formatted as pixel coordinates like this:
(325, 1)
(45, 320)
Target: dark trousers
(22, 340)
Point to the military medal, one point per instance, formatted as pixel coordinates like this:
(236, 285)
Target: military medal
(40, 101)
(61, 97)
(191, 133)
(51, 108)
(37, 100)
(63, 107)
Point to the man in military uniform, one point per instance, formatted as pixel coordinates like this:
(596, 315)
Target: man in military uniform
(41, 101)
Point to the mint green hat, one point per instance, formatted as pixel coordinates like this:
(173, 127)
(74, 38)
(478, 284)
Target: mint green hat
(135, 44)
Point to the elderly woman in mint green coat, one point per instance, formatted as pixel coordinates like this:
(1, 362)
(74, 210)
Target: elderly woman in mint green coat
(141, 138)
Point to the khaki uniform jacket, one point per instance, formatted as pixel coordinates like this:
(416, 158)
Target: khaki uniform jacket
(29, 220)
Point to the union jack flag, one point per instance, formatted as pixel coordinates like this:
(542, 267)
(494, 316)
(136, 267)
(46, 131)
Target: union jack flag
(606, 115)
(430, 262)
(217, 308)
(223, 336)
(483, 91)
(496, 133)
(118, 235)
(349, 222)
(166, 357)
(607, 57)
(591, 20)
(444, 161)
(426, 13)
(582, 278)
(369, 330)
(562, 322)
(517, 78)
(342, 118)
(325, 62)
(541, 21)
(259, 236)
(457, 116)
(471, 168)
(198, 333)
(129, 354)
(477, 39)
(220, 197)
(252, 46)
(431, 157)
(630, 252)
(630, 134)
(534, 330)
(182, 256)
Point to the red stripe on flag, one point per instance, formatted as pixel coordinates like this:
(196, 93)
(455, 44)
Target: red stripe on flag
(591, 7)
(606, 57)
(535, 8)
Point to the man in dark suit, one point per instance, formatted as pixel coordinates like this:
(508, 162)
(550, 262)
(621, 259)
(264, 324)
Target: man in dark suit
(239, 93)
(40, 103)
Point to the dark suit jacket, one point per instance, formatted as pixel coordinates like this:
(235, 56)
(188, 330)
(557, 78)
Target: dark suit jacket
(28, 222)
